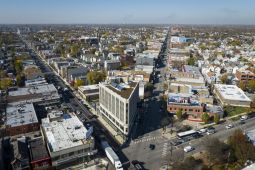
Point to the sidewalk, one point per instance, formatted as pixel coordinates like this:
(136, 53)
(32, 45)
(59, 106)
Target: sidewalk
(200, 125)
(118, 138)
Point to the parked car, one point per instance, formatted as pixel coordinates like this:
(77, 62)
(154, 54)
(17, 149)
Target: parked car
(229, 126)
(188, 149)
(244, 117)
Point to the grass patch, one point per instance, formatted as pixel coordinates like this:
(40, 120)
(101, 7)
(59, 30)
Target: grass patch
(235, 110)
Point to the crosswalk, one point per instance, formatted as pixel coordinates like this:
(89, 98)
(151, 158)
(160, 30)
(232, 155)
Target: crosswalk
(146, 139)
(164, 151)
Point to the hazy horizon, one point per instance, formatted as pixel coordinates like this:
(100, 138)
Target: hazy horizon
(197, 12)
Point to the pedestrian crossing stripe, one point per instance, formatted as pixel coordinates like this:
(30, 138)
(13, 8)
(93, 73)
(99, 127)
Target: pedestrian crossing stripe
(146, 139)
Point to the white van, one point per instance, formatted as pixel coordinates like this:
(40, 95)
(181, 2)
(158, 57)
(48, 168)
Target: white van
(188, 149)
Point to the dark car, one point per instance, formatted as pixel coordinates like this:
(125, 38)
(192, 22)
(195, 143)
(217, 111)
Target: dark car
(152, 146)
(137, 165)
(242, 122)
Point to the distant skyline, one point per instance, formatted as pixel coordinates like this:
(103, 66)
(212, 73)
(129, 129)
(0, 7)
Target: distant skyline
(127, 12)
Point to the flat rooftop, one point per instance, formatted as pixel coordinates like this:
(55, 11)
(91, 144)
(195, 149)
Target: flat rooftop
(40, 89)
(231, 92)
(38, 149)
(190, 80)
(20, 113)
(89, 87)
(183, 99)
(122, 89)
(40, 92)
(67, 133)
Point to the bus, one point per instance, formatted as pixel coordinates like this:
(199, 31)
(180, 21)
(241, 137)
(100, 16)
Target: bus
(189, 133)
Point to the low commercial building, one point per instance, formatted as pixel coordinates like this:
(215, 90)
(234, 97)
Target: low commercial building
(244, 75)
(145, 68)
(90, 92)
(111, 64)
(231, 95)
(20, 118)
(42, 94)
(39, 156)
(130, 75)
(19, 154)
(185, 102)
(145, 59)
(189, 75)
(118, 104)
(67, 139)
(35, 82)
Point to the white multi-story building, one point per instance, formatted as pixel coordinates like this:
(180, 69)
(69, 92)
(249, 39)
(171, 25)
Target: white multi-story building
(67, 139)
(118, 104)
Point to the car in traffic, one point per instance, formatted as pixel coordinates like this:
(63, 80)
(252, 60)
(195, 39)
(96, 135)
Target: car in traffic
(229, 126)
(242, 122)
(188, 149)
(137, 165)
(201, 131)
(152, 146)
(210, 130)
(177, 142)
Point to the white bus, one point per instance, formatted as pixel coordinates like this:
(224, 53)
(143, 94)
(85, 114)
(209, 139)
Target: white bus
(187, 133)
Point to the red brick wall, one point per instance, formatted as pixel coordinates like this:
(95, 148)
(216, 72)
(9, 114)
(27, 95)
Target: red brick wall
(22, 129)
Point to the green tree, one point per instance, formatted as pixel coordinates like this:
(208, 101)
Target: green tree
(224, 78)
(94, 77)
(18, 66)
(217, 151)
(191, 61)
(165, 86)
(78, 83)
(216, 118)
(205, 118)
(149, 86)
(20, 79)
(5, 83)
(179, 114)
(243, 149)
(251, 85)
(241, 85)
(74, 50)
(188, 164)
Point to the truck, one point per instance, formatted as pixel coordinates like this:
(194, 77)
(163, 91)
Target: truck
(111, 155)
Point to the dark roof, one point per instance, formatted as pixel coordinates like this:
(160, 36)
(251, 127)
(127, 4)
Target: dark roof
(21, 154)
(125, 92)
(38, 149)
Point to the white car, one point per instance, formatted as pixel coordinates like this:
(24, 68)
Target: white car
(229, 126)
(244, 117)
(188, 149)
(204, 130)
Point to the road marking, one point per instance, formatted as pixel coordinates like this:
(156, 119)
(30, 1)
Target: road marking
(164, 151)
(145, 139)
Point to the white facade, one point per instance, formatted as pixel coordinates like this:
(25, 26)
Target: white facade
(67, 138)
(231, 95)
(119, 106)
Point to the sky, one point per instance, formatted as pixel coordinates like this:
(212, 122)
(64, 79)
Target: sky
(127, 12)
